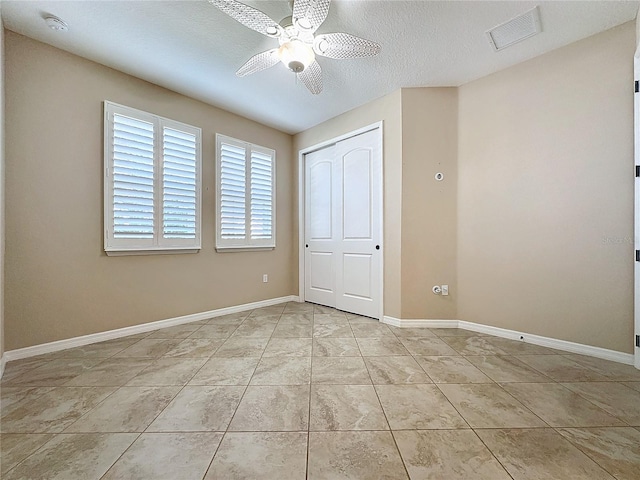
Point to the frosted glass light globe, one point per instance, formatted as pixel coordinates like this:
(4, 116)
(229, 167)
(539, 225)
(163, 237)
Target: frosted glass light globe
(296, 55)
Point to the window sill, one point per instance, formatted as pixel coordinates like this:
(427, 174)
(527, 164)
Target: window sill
(171, 251)
(250, 248)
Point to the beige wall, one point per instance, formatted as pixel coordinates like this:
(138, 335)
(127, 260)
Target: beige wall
(545, 194)
(429, 226)
(531, 227)
(388, 110)
(2, 242)
(60, 284)
(638, 32)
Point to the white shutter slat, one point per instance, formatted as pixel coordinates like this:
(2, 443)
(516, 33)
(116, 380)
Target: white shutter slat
(132, 179)
(179, 180)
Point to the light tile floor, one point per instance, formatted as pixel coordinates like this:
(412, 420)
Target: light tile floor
(298, 391)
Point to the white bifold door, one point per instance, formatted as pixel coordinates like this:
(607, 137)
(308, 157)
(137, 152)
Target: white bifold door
(343, 219)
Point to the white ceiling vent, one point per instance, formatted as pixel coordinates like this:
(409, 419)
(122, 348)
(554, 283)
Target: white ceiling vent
(515, 30)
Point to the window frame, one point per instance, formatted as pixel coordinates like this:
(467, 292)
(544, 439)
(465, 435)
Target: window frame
(246, 244)
(158, 244)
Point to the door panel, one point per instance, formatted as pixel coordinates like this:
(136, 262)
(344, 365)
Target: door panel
(320, 218)
(357, 194)
(357, 275)
(322, 271)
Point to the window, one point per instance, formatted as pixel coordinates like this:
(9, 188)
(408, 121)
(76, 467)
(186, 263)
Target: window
(152, 178)
(245, 176)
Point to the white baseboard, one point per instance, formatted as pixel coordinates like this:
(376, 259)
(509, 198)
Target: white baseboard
(409, 323)
(394, 322)
(135, 329)
(563, 345)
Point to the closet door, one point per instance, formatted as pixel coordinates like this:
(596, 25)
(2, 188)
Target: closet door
(343, 215)
(321, 238)
(358, 249)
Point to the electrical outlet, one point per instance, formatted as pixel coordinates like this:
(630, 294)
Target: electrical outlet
(265, 278)
(445, 289)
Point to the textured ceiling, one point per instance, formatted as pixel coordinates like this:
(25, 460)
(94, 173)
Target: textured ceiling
(193, 48)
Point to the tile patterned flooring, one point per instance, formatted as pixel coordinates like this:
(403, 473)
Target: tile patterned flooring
(298, 391)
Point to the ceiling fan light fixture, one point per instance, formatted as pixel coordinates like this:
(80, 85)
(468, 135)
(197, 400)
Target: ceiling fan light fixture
(296, 55)
(298, 41)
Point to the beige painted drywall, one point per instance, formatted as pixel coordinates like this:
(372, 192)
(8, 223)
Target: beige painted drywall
(420, 131)
(2, 242)
(638, 31)
(59, 282)
(388, 110)
(429, 209)
(545, 194)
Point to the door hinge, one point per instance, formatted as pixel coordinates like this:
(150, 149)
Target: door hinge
(637, 255)
(637, 86)
(637, 340)
(637, 170)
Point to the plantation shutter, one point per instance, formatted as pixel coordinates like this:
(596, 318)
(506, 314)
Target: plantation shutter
(152, 183)
(245, 187)
(133, 189)
(179, 175)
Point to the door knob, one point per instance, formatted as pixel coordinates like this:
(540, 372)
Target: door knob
(377, 247)
(307, 245)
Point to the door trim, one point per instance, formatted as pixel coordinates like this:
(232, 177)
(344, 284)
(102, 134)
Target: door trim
(301, 220)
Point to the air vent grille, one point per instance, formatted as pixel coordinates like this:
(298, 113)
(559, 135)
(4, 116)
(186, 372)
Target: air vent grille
(515, 30)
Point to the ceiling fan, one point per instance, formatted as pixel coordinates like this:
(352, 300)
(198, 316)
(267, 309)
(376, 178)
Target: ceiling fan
(298, 44)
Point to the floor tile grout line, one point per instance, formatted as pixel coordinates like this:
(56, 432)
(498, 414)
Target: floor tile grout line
(626, 424)
(585, 451)
(492, 453)
(121, 455)
(54, 435)
(395, 443)
(92, 408)
(519, 402)
(306, 465)
(246, 386)
(215, 452)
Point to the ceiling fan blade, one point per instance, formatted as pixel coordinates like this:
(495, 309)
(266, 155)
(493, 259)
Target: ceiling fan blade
(259, 62)
(309, 14)
(344, 45)
(312, 78)
(249, 17)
